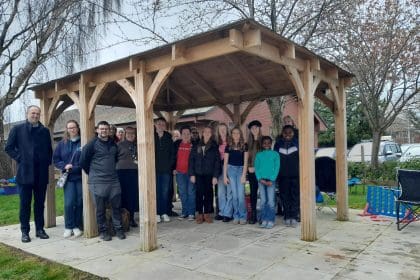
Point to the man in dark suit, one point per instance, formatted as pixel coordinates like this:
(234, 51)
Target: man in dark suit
(29, 144)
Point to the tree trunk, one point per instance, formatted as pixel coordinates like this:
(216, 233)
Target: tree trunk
(5, 161)
(376, 141)
(276, 106)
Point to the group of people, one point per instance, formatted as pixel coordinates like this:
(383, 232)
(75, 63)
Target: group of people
(219, 162)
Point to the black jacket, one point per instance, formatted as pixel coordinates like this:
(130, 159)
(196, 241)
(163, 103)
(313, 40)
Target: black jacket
(205, 163)
(99, 159)
(164, 153)
(30, 146)
(289, 158)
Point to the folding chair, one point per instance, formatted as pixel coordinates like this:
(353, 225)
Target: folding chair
(409, 196)
(325, 179)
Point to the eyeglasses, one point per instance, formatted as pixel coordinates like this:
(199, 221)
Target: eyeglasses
(70, 128)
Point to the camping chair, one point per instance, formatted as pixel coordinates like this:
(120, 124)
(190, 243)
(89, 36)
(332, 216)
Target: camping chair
(325, 179)
(409, 197)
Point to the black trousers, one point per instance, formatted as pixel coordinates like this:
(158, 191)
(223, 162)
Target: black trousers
(129, 180)
(253, 183)
(101, 202)
(25, 195)
(290, 196)
(204, 194)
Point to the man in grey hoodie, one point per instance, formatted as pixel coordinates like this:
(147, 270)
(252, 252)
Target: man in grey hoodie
(98, 159)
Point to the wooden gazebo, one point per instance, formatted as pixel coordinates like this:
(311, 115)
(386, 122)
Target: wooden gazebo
(238, 62)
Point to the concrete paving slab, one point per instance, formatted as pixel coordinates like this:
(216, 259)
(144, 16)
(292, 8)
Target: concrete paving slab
(357, 249)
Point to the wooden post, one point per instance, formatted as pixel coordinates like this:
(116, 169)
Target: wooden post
(341, 152)
(307, 158)
(87, 129)
(146, 161)
(50, 211)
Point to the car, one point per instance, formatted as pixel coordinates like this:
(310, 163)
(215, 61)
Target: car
(404, 147)
(388, 150)
(412, 152)
(325, 152)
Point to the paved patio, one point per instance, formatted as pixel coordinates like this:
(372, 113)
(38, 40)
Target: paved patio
(358, 249)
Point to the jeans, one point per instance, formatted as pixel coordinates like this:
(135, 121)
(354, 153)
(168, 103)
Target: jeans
(187, 193)
(234, 174)
(25, 195)
(224, 196)
(73, 204)
(267, 195)
(162, 193)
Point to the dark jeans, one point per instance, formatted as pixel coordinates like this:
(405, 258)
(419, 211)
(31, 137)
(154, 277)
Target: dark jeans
(162, 193)
(204, 194)
(101, 202)
(73, 204)
(289, 193)
(253, 183)
(25, 195)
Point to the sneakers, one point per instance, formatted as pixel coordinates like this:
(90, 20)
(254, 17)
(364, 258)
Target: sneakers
(235, 222)
(67, 233)
(286, 222)
(226, 219)
(165, 218)
(158, 220)
(269, 225)
(263, 224)
(182, 217)
(218, 217)
(77, 232)
(242, 222)
(191, 218)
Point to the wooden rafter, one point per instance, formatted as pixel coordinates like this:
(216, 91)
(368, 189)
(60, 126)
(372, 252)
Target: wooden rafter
(248, 109)
(248, 77)
(129, 88)
(202, 84)
(226, 110)
(97, 93)
(157, 83)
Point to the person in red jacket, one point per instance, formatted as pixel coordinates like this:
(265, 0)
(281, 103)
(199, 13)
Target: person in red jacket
(185, 186)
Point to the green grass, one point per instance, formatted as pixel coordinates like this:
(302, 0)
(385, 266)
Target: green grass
(16, 264)
(9, 207)
(357, 198)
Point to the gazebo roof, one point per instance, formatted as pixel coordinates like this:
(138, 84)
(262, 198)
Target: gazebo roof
(217, 67)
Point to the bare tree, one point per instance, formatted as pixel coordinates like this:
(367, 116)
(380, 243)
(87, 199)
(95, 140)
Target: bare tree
(379, 44)
(33, 32)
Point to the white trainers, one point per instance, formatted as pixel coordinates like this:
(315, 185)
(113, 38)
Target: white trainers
(191, 218)
(158, 220)
(165, 218)
(67, 233)
(77, 232)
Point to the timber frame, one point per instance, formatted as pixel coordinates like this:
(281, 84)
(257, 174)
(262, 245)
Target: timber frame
(238, 62)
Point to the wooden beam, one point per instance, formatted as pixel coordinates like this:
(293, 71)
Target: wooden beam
(226, 110)
(296, 81)
(327, 101)
(87, 130)
(289, 51)
(272, 53)
(193, 54)
(157, 83)
(248, 77)
(93, 100)
(146, 162)
(178, 51)
(237, 113)
(201, 83)
(49, 212)
(252, 38)
(129, 88)
(75, 98)
(307, 158)
(181, 93)
(341, 152)
(315, 64)
(51, 107)
(248, 109)
(236, 38)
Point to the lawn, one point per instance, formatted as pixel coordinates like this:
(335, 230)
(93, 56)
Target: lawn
(9, 207)
(16, 264)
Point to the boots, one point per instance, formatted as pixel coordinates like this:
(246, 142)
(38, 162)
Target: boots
(208, 218)
(199, 218)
